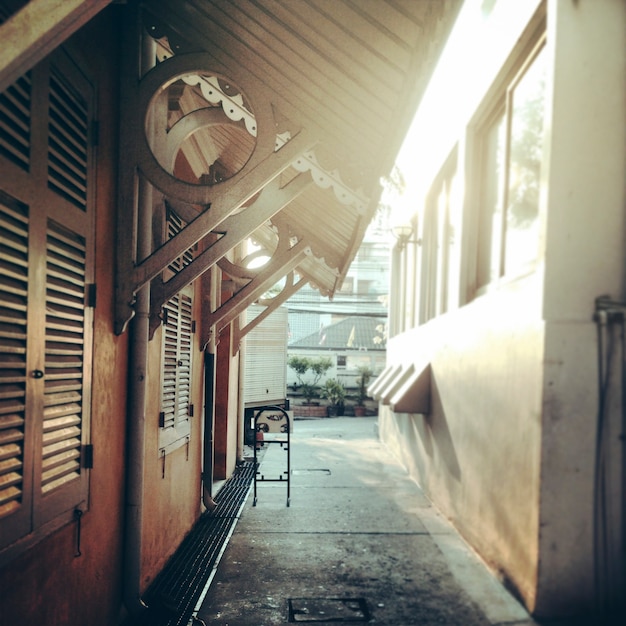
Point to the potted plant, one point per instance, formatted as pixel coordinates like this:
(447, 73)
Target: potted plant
(366, 374)
(309, 392)
(335, 392)
(319, 367)
(301, 365)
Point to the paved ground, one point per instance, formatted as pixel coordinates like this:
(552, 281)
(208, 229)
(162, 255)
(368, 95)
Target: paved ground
(358, 543)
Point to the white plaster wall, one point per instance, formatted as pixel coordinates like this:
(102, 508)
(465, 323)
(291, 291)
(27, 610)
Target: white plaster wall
(585, 250)
(476, 455)
(347, 375)
(586, 165)
(507, 452)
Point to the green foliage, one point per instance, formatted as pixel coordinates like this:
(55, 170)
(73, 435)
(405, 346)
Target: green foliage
(309, 391)
(366, 374)
(319, 367)
(334, 391)
(300, 365)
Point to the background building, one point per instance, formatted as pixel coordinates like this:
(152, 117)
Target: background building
(351, 329)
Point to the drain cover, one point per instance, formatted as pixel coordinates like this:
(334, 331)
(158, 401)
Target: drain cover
(300, 472)
(328, 610)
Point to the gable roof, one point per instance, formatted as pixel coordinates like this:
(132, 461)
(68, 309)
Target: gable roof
(352, 333)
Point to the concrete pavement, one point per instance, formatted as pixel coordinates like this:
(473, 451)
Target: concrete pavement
(358, 543)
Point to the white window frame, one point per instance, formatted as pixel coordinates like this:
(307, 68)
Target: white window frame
(439, 273)
(500, 107)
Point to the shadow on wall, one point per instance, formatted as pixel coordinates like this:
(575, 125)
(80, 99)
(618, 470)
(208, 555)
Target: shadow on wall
(434, 429)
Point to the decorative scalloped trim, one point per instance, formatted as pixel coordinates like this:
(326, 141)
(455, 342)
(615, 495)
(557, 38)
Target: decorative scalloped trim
(235, 110)
(322, 178)
(232, 105)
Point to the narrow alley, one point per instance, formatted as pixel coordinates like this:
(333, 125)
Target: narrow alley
(358, 543)
(173, 173)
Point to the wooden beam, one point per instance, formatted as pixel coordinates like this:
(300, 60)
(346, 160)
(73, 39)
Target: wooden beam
(37, 29)
(245, 187)
(238, 227)
(128, 183)
(267, 277)
(272, 305)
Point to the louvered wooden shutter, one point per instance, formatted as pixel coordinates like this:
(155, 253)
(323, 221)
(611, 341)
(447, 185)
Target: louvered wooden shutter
(66, 402)
(183, 382)
(68, 131)
(46, 262)
(174, 225)
(176, 370)
(15, 122)
(15, 480)
(170, 359)
(177, 353)
(65, 319)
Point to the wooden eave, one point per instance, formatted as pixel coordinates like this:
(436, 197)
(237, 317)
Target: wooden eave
(36, 29)
(326, 91)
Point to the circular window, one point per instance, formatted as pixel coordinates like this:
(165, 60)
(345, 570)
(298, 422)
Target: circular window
(201, 129)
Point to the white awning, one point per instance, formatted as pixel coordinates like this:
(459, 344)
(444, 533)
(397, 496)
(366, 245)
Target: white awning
(404, 387)
(413, 396)
(374, 389)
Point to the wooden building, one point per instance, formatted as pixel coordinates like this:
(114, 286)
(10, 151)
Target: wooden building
(141, 145)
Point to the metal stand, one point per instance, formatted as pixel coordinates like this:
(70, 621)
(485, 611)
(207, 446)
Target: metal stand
(272, 419)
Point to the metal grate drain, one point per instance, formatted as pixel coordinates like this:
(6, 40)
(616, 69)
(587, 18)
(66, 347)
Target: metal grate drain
(320, 610)
(172, 596)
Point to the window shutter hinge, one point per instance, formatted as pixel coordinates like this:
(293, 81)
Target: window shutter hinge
(162, 419)
(193, 326)
(88, 456)
(95, 132)
(190, 410)
(90, 295)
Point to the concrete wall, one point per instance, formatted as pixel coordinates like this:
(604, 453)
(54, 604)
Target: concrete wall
(508, 450)
(585, 258)
(476, 455)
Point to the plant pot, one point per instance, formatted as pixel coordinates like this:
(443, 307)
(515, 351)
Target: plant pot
(359, 411)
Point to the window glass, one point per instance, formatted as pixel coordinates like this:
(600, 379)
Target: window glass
(490, 221)
(526, 146)
(511, 154)
(438, 280)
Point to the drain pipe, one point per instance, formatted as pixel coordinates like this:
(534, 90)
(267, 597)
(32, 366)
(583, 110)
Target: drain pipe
(135, 457)
(209, 412)
(210, 354)
(241, 404)
(135, 464)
